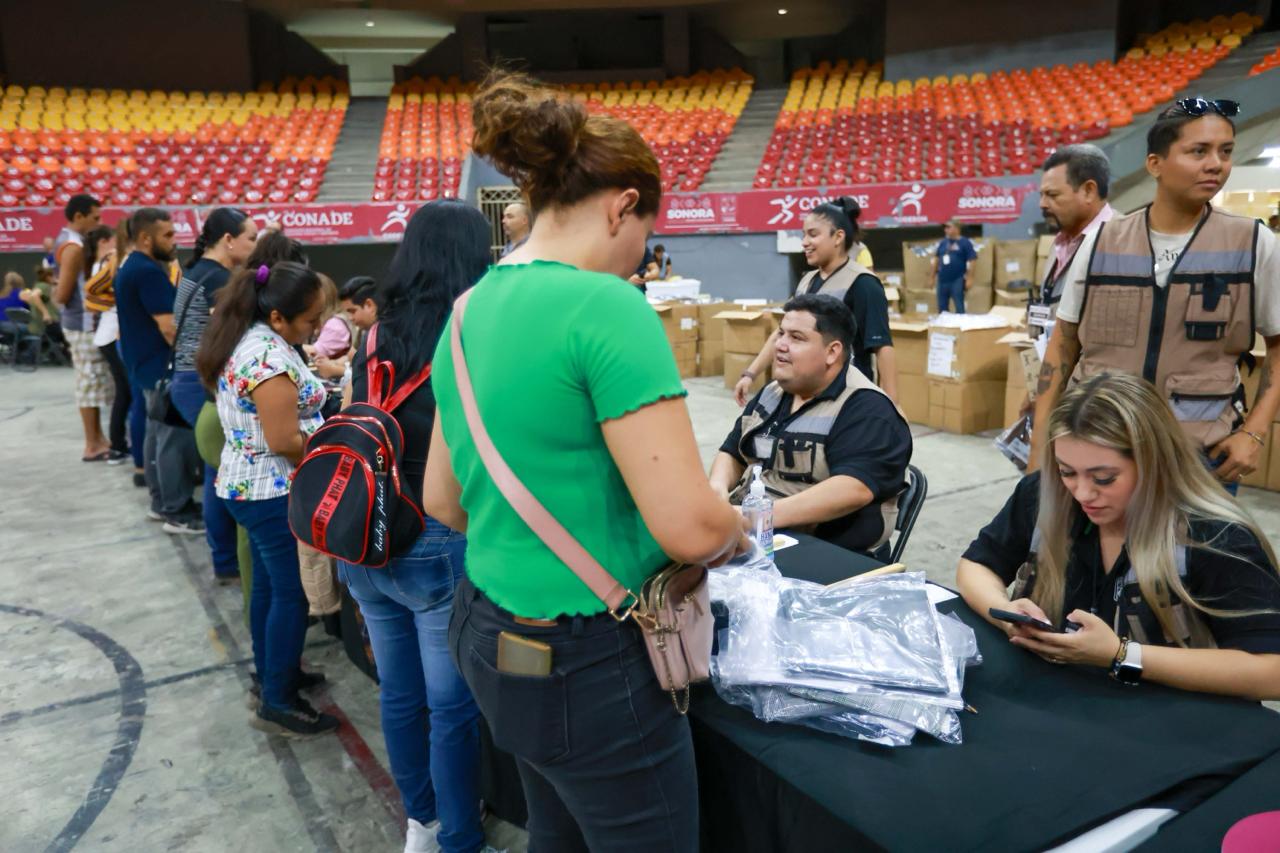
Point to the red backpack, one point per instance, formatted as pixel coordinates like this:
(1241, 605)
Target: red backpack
(346, 499)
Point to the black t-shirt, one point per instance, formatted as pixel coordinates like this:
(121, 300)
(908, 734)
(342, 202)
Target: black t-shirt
(865, 299)
(869, 442)
(1242, 578)
(415, 416)
(192, 304)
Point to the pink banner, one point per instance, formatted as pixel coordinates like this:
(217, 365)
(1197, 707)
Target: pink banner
(883, 206)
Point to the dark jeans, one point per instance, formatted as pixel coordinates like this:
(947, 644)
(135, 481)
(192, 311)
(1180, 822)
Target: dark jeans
(172, 465)
(278, 607)
(406, 607)
(137, 425)
(117, 431)
(1233, 488)
(189, 397)
(953, 291)
(605, 761)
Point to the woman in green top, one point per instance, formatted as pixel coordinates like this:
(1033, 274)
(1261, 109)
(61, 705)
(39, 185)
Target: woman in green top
(579, 391)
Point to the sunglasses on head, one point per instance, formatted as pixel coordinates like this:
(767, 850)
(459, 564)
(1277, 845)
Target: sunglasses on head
(1200, 106)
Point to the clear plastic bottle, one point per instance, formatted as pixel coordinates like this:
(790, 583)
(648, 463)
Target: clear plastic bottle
(758, 510)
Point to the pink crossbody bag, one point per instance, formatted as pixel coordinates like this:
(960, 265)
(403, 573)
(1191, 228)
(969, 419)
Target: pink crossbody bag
(673, 608)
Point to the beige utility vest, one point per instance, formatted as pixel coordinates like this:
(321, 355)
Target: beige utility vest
(839, 282)
(1185, 338)
(797, 458)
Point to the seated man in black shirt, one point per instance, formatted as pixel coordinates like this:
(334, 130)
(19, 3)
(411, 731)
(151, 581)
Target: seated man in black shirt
(833, 447)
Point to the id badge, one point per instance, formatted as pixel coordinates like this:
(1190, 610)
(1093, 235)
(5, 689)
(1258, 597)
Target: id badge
(1039, 316)
(946, 259)
(764, 447)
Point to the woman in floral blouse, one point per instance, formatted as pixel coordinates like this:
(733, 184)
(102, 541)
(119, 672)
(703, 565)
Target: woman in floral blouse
(268, 403)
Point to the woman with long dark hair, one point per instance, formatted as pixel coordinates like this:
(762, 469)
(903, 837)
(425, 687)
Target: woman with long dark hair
(101, 259)
(225, 243)
(268, 403)
(406, 605)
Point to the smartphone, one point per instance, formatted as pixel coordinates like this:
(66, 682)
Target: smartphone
(522, 656)
(1021, 619)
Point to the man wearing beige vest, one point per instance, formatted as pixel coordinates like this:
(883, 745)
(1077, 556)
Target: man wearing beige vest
(832, 446)
(1174, 292)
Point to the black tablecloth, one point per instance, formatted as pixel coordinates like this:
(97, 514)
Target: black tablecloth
(1203, 827)
(1052, 752)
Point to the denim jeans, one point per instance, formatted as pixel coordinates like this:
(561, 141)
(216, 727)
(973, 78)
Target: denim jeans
(951, 290)
(1233, 488)
(189, 397)
(137, 425)
(605, 761)
(278, 607)
(406, 608)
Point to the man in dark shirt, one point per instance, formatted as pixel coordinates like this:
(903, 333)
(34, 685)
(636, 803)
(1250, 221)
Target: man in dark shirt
(953, 266)
(832, 446)
(144, 303)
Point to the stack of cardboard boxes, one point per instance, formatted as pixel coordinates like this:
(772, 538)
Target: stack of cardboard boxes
(680, 322)
(911, 354)
(1015, 268)
(711, 338)
(966, 368)
(746, 329)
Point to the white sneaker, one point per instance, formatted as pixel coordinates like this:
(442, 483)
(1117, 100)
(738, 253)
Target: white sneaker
(421, 838)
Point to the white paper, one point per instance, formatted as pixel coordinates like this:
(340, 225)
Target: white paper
(970, 321)
(687, 323)
(938, 594)
(942, 351)
(782, 540)
(1012, 266)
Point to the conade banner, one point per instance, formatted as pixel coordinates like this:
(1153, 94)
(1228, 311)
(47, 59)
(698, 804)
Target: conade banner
(758, 211)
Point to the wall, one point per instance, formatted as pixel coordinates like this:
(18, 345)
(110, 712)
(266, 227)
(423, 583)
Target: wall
(276, 53)
(85, 51)
(930, 37)
(732, 266)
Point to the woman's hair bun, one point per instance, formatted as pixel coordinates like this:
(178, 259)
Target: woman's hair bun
(528, 131)
(850, 207)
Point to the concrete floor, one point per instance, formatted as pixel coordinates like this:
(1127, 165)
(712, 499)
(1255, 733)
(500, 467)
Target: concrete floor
(123, 669)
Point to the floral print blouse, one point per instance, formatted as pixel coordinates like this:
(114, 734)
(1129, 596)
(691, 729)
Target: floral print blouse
(249, 471)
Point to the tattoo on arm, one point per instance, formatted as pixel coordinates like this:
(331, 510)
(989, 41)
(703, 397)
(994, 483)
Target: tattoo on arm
(1045, 378)
(1264, 382)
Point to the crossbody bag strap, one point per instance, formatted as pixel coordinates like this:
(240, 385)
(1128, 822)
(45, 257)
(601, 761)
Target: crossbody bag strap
(531, 511)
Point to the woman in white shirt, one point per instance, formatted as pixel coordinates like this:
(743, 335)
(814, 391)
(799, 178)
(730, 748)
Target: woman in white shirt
(268, 403)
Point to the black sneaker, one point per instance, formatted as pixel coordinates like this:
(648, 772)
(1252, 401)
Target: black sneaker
(139, 480)
(117, 457)
(182, 526)
(301, 720)
(306, 681)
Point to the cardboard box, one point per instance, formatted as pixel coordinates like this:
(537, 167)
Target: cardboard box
(709, 328)
(710, 357)
(686, 353)
(1044, 258)
(679, 320)
(735, 363)
(1268, 461)
(921, 302)
(910, 345)
(1014, 260)
(965, 355)
(747, 331)
(913, 396)
(966, 407)
(979, 298)
(1012, 298)
(917, 264)
(1023, 374)
(983, 273)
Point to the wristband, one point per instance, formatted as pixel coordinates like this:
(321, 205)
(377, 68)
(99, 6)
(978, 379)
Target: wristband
(747, 374)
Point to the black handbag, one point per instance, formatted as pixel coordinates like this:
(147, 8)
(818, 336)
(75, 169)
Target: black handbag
(160, 407)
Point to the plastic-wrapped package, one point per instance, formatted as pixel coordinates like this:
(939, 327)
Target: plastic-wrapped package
(774, 705)
(942, 723)
(882, 631)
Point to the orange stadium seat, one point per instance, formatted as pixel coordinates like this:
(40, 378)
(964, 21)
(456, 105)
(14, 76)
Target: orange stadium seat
(169, 147)
(844, 124)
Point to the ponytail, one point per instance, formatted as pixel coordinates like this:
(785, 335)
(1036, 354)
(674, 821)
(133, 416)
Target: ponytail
(250, 297)
(221, 222)
(843, 215)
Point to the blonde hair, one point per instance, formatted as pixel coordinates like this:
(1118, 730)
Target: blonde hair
(329, 295)
(12, 281)
(1125, 414)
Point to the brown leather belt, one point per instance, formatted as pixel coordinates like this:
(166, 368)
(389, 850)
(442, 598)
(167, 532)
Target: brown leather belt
(535, 623)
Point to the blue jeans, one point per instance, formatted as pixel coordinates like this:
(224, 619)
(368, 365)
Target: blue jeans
(1233, 488)
(137, 425)
(189, 396)
(406, 608)
(951, 290)
(278, 607)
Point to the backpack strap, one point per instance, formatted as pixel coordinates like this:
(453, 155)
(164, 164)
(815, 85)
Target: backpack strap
(543, 524)
(375, 369)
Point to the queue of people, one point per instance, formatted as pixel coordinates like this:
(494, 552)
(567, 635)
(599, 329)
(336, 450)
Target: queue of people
(1125, 541)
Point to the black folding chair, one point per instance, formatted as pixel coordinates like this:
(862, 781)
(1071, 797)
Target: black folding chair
(21, 339)
(909, 505)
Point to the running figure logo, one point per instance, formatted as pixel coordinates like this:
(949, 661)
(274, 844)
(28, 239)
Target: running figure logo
(910, 198)
(785, 213)
(399, 215)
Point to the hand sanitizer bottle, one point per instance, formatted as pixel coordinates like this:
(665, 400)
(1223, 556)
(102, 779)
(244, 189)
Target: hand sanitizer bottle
(758, 510)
